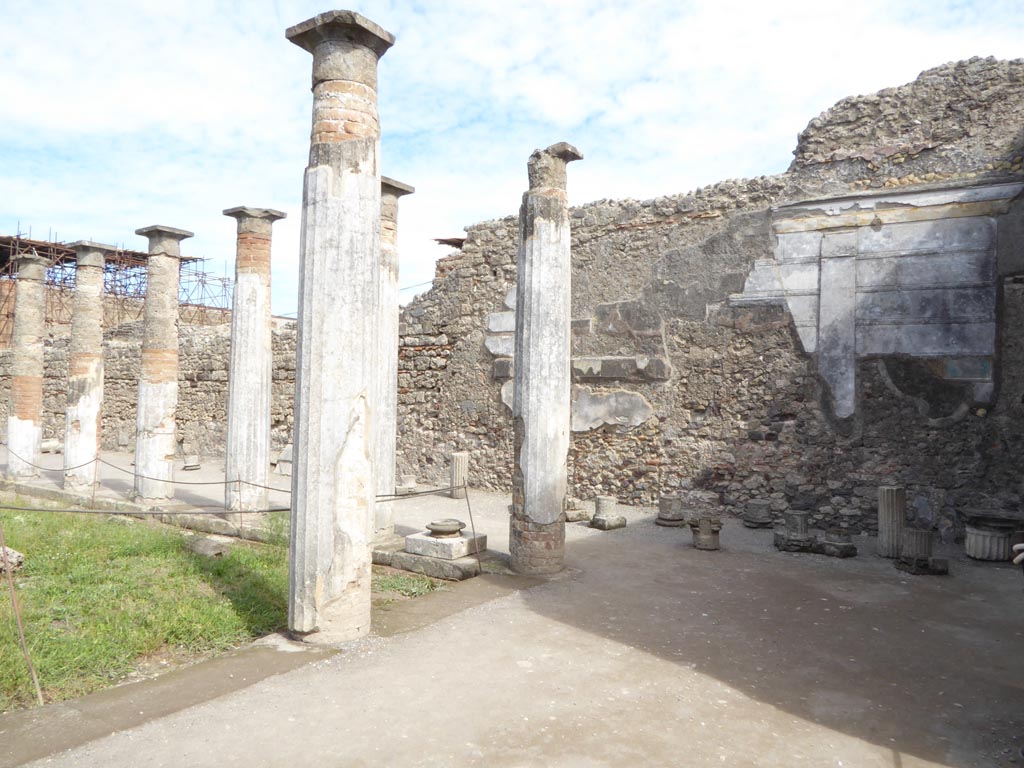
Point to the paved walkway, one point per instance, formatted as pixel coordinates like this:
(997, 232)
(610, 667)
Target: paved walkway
(643, 652)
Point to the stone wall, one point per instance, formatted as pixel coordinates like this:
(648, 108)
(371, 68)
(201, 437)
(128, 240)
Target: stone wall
(202, 381)
(699, 392)
(678, 385)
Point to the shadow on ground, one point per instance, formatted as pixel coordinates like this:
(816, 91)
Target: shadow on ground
(925, 666)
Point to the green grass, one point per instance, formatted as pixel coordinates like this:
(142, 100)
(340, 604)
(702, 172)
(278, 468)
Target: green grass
(98, 596)
(406, 584)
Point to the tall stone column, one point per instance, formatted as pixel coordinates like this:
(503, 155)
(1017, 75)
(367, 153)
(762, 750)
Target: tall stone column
(333, 482)
(25, 418)
(250, 370)
(541, 404)
(387, 357)
(158, 382)
(85, 368)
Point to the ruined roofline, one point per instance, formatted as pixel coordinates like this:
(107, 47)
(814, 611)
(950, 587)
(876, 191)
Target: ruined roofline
(63, 252)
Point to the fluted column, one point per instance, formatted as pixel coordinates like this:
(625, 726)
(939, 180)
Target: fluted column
(541, 405)
(387, 357)
(25, 418)
(82, 426)
(333, 480)
(247, 451)
(892, 509)
(158, 380)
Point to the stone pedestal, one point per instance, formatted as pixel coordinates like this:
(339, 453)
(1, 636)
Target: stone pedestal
(451, 548)
(795, 536)
(915, 551)
(892, 509)
(671, 511)
(25, 417)
(987, 543)
(758, 514)
(705, 532)
(459, 474)
(247, 449)
(158, 382)
(82, 426)
(541, 403)
(386, 424)
(333, 480)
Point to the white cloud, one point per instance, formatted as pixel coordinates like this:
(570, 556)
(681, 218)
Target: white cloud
(123, 114)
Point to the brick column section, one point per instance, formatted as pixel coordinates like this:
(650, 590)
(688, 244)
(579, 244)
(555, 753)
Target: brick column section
(333, 481)
(158, 382)
(541, 404)
(247, 455)
(25, 418)
(82, 426)
(387, 357)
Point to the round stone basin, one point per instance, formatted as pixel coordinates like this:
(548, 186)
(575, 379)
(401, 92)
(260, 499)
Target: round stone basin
(445, 528)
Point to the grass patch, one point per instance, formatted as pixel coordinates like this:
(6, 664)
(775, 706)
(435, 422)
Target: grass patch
(99, 596)
(405, 584)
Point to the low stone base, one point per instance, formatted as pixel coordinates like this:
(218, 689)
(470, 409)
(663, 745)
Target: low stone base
(809, 544)
(669, 523)
(932, 566)
(785, 542)
(448, 548)
(608, 523)
(577, 515)
(451, 570)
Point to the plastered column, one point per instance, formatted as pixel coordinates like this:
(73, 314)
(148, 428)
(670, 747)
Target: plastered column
(85, 368)
(333, 481)
(541, 405)
(158, 381)
(387, 358)
(24, 420)
(247, 452)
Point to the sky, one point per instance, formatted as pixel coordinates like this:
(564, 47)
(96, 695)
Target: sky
(119, 115)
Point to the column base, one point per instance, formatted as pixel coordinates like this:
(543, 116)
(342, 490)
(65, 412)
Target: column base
(536, 549)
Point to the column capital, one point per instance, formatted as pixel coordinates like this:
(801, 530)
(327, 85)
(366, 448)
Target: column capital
(389, 186)
(164, 240)
(244, 212)
(30, 259)
(546, 167)
(340, 27)
(91, 254)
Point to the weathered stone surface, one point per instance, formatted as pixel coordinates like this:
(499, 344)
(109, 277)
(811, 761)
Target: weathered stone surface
(452, 548)
(12, 558)
(250, 371)
(542, 394)
(892, 511)
(987, 543)
(207, 547)
(82, 425)
(451, 570)
(157, 401)
(608, 523)
(333, 479)
(24, 418)
(386, 397)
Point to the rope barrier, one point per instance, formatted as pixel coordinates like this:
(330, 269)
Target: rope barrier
(17, 617)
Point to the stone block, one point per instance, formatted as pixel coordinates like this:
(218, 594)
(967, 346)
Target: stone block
(758, 514)
(608, 523)
(450, 570)
(501, 322)
(500, 346)
(450, 548)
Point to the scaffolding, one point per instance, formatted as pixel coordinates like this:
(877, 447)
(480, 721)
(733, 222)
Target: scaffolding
(203, 299)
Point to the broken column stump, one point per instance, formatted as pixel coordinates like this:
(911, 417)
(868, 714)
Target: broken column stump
(671, 511)
(758, 514)
(705, 531)
(541, 404)
(916, 554)
(892, 507)
(604, 518)
(459, 475)
(795, 536)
